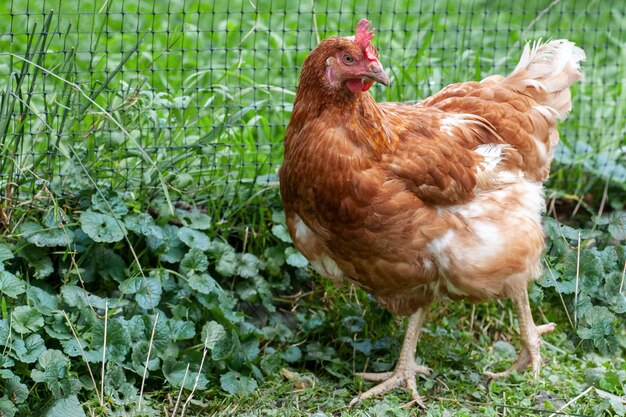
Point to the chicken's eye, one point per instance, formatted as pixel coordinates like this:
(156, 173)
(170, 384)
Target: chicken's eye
(348, 59)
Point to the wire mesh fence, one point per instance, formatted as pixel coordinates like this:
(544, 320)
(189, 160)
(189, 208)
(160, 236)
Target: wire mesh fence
(193, 97)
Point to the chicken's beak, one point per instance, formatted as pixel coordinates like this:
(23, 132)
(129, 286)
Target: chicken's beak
(377, 73)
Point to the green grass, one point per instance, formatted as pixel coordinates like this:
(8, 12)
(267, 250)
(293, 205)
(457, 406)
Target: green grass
(188, 101)
(458, 344)
(207, 93)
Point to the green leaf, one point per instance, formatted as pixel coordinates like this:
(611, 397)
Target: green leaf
(291, 354)
(59, 328)
(274, 260)
(281, 232)
(617, 303)
(247, 352)
(46, 237)
(195, 219)
(53, 364)
(131, 285)
(42, 301)
(278, 216)
(140, 354)
(226, 303)
(219, 247)
(10, 285)
(111, 204)
(115, 376)
(194, 239)
(92, 355)
(235, 383)
(584, 304)
(43, 267)
(6, 362)
(246, 291)
(567, 287)
(611, 381)
(75, 296)
(295, 258)
(5, 253)
(171, 245)
(600, 320)
(143, 224)
(72, 348)
(353, 324)
(102, 227)
(109, 264)
(264, 291)
(5, 331)
(616, 402)
(212, 333)
(227, 264)
(167, 280)
(117, 338)
(590, 267)
(177, 375)
(34, 346)
(136, 327)
(248, 266)
(66, 407)
(203, 283)
(147, 291)
(162, 336)
(26, 319)
(7, 408)
(617, 225)
(316, 352)
(224, 349)
(182, 329)
(598, 327)
(613, 283)
(194, 262)
(55, 216)
(14, 389)
(504, 350)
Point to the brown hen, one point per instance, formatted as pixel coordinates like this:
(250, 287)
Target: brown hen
(417, 202)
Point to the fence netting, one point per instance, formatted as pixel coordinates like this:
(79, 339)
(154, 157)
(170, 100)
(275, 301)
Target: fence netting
(194, 96)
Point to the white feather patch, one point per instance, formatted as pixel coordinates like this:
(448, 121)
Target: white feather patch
(492, 155)
(459, 120)
(546, 62)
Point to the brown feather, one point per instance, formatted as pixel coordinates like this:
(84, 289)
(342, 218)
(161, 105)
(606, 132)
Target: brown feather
(417, 202)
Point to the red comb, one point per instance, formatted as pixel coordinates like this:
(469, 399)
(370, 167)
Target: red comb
(363, 34)
(363, 38)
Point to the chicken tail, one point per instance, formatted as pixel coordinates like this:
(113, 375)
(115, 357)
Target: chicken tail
(551, 68)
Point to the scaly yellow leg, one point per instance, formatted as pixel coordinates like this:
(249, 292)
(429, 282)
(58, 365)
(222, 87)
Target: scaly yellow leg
(406, 369)
(531, 341)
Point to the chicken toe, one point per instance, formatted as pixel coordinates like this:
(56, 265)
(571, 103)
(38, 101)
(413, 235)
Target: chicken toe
(403, 376)
(406, 369)
(531, 340)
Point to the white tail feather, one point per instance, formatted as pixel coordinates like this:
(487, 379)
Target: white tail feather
(552, 66)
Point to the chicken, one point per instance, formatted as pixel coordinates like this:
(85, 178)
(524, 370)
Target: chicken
(419, 202)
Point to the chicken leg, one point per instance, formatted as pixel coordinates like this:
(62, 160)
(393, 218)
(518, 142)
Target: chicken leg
(531, 341)
(406, 369)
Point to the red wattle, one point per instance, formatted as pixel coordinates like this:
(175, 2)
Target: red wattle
(355, 85)
(367, 85)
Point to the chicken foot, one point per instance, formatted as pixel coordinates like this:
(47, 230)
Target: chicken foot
(406, 369)
(531, 341)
